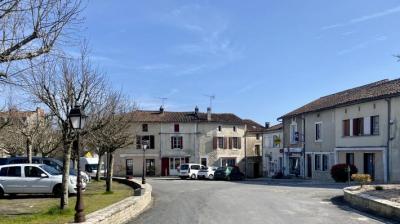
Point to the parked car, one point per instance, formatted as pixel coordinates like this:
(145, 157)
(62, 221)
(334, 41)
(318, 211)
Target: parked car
(228, 173)
(207, 172)
(33, 179)
(189, 170)
(89, 165)
(56, 164)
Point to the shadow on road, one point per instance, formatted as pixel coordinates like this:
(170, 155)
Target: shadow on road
(295, 183)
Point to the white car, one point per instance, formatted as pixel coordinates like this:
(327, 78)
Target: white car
(189, 170)
(207, 173)
(33, 179)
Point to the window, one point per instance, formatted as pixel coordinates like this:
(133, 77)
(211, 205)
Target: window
(258, 136)
(318, 131)
(234, 128)
(350, 158)
(324, 162)
(145, 127)
(358, 126)
(346, 127)
(293, 134)
(203, 161)
(257, 150)
(221, 142)
(148, 138)
(13, 171)
(375, 125)
(275, 141)
(235, 143)
(219, 128)
(317, 162)
(31, 171)
(176, 142)
(176, 127)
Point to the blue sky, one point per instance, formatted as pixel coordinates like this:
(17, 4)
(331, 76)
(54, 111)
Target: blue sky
(261, 59)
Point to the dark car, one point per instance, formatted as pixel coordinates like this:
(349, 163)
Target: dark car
(228, 173)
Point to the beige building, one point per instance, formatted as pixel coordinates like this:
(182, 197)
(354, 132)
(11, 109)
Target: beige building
(253, 148)
(272, 150)
(212, 139)
(358, 126)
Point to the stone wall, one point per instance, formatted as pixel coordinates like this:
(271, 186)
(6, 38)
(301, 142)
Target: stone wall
(124, 210)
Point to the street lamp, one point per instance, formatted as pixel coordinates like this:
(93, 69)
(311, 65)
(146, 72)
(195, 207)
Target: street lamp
(144, 145)
(77, 119)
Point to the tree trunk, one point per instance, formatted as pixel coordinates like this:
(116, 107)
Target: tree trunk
(110, 173)
(99, 167)
(65, 175)
(29, 149)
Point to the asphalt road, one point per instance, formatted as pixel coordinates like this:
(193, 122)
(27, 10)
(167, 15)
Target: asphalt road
(193, 201)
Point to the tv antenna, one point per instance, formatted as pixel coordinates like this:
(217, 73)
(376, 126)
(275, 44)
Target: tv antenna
(212, 97)
(163, 99)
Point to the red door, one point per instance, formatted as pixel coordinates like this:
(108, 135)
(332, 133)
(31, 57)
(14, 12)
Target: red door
(165, 167)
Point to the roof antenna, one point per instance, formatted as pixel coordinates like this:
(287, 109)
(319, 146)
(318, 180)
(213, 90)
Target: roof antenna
(212, 97)
(163, 99)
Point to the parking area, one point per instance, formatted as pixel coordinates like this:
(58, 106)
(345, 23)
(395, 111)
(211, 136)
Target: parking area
(199, 201)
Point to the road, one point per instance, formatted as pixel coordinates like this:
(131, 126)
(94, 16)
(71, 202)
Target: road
(193, 201)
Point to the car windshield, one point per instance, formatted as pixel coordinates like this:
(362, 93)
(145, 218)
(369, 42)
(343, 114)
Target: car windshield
(184, 167)
(50, 170)
(204, 169)
(221, 168)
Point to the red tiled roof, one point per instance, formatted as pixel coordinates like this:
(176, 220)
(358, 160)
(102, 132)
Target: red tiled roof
(373, 91)
(274, 128)
(183, 117)
(253, 126)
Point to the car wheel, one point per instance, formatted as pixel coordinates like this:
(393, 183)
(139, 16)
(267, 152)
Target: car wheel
(57, 191)
(211, 177)
(1, 193)
(193, 176)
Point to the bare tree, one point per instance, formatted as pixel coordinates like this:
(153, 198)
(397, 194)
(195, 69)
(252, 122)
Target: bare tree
(30, 28)
(12, 141)
(114, 134)
(47, 139)
(60, 85)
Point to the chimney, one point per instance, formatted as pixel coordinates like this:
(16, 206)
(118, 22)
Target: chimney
(161, 109)
(196, 110)
(267, 124)
(208, 113)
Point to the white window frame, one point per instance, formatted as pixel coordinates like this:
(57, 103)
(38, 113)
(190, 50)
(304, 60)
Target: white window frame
(320, 131)
(293, 130)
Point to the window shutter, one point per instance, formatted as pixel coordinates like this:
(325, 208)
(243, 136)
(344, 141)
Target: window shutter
(230, 142)
(239, 143)
(214, 142)
(367, 125)
(151, 142)
(138, 142)
(172, 142)
(225, 143)
(181, 138)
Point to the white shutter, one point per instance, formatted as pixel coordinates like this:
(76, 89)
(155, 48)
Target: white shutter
(367, 125)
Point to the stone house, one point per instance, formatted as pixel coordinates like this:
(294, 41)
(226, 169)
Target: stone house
(253, 148)
(357, 126)
(272, 150)
(212, 139)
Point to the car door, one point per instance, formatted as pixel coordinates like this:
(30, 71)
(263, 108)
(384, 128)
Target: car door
(35, 183)
(10, 178)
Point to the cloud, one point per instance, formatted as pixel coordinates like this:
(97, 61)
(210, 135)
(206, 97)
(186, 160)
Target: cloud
(361, 45)
(363, 18)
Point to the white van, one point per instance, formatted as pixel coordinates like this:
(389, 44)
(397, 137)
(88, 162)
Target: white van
(89, 165)
(189, 170)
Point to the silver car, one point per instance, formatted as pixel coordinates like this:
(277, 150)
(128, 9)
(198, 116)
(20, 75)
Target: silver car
(33, 179)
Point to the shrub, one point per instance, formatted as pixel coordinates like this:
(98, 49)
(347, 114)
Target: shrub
(339, 172)
(379, 188)
(362, 179)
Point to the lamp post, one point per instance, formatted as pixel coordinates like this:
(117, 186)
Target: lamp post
(77, 119)
(144, 145)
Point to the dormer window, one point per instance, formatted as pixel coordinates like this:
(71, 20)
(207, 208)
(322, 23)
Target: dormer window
(145, 127)
(176, 127)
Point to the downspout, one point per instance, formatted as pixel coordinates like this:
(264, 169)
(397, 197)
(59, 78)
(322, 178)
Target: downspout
(245, 152)
(389, 104)
(304, 146)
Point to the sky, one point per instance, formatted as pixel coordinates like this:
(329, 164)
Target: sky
(261, 59)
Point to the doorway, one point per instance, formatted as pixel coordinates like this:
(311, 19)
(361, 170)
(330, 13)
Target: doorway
(203, 161)
(150, 167)
(369, 164)
(129, 167)
(256, 170)
(309, 166)
(174, 164)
